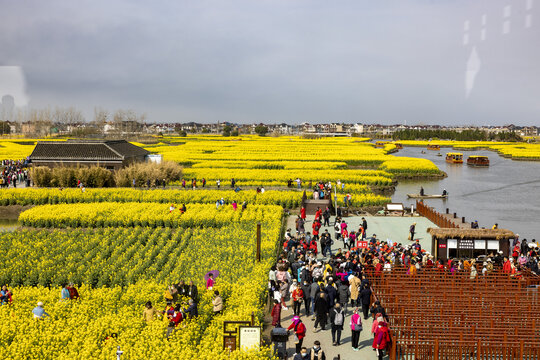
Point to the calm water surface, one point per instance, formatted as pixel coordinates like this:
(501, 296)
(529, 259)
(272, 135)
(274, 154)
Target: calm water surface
(507, 193)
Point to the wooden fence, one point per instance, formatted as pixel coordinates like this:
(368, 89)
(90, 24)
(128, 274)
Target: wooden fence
(436, 315)
(435, 217)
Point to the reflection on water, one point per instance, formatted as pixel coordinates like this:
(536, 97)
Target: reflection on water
(8, 224)
(507, 192)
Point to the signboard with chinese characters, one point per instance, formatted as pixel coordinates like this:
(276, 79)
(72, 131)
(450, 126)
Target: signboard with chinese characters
(362, 244)
(250, 337)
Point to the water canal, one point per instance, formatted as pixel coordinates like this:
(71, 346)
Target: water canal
(507, 192)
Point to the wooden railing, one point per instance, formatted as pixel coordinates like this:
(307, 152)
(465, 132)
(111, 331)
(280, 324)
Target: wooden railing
(437, 315)
(435, 217)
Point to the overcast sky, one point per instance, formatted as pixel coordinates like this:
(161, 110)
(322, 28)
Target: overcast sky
(391, 61)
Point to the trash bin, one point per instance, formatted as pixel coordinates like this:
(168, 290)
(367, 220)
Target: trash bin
(279, 337)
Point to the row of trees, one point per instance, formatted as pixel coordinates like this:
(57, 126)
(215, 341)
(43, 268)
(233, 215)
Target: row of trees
(42, 122)
(260, 130)
(466, 135)
(94, 176)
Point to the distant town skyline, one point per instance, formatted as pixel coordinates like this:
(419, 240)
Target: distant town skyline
(449, 62)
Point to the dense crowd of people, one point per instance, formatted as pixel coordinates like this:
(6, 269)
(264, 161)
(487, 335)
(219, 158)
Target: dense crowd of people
(13, 173)
(336, 285)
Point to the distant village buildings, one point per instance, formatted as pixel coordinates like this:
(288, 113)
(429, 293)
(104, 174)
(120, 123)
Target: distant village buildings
(122, 129)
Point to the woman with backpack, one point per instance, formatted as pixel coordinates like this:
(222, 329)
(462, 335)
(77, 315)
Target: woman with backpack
(356, 328)
(337, 318)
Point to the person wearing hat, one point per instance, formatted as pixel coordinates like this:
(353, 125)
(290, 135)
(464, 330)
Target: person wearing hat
(299, 332)
(39, 312)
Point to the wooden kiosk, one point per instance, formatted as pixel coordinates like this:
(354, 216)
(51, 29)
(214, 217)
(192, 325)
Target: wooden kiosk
(469, 243)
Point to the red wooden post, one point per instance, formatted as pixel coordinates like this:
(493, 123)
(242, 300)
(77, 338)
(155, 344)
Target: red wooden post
(436, 350)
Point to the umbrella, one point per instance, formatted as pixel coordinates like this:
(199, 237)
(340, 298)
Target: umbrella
(213, 272)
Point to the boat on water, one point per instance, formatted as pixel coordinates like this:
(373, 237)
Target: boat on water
(380, 144)
(477, 160)
(399, 146)
(433, 147)
(418, 196)
(454, 158)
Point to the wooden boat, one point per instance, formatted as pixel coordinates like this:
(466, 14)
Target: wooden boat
(399, 146)
(418, 196)
(454, 158)
(380, 144)
(433, 147)
(477, 160)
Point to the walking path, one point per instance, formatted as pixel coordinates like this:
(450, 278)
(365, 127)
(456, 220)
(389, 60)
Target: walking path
(394, 228)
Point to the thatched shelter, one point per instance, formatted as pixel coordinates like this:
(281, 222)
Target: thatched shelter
(469, 243)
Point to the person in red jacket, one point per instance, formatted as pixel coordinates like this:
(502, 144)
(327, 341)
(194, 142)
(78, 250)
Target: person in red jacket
(316, 226)
(299, 331)
(298, 298)
(313, 246)
(303, 213)
(382, 339)
(318, 214)
(174, 320)
(276, 314)
(378, 268)
(507, 267)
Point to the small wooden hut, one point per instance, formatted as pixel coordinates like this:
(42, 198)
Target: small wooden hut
(469, 243)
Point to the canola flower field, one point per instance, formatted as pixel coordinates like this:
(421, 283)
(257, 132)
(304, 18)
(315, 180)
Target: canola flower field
(122, 246)
(142, 214)
(122, 268)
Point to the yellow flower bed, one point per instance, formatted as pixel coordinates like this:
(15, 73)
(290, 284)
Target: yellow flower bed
(78, 329)
(261, 176)
(143, 214)
(412, 166)
(289, 199)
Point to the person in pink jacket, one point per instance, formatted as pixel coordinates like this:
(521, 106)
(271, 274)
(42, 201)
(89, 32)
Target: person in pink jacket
(356, 328)
(378, 317)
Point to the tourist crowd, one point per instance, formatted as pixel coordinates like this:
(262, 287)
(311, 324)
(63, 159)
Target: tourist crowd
(336, 285)
(13, 173)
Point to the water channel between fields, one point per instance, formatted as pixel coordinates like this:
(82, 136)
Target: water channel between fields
(507, 192)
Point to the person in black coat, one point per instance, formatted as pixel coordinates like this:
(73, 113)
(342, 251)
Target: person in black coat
(343, 295)
(321, 311)
(524, 247)
(307, 296)
(365, 297)
(181, 288)
(377, 308)
(332, 294)
(192, 291)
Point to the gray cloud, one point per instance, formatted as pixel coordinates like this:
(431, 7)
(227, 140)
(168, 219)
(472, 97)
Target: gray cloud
(273, 61)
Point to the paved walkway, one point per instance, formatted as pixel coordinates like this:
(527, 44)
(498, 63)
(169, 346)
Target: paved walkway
(389, 227)
(395, 228)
